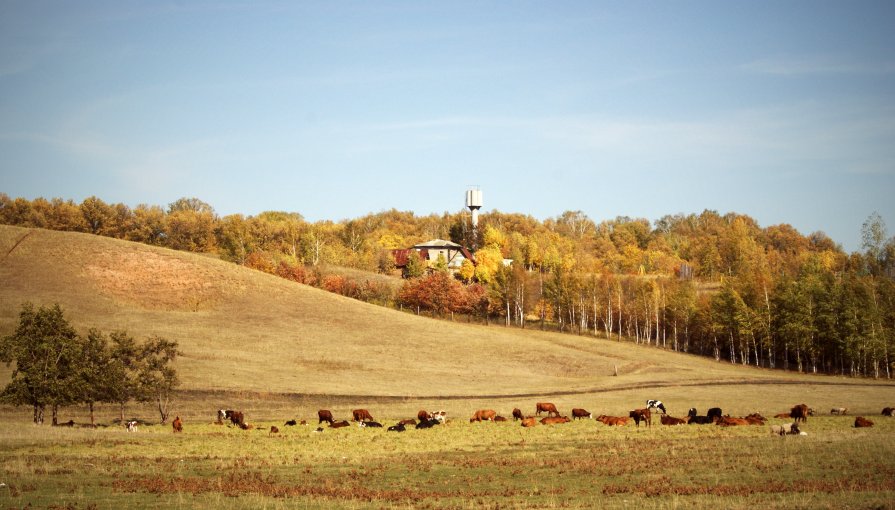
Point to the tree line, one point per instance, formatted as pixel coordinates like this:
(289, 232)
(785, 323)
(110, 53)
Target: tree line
(712, 284)
(56, 367)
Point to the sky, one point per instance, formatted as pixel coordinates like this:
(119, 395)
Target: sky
(781, 110)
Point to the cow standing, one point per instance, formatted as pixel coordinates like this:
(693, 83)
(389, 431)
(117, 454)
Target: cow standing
(578, 413)
(177, 424)
(362, 415)
(656, 404)
(546, 407)
(325, 416)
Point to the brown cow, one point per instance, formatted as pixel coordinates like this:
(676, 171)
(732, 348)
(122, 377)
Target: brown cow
(613, 420)
(670, 420)
(578, 413)
(531, 421)
(236, 418)
(273, 430)
(499, 418)
(548, 408)
(783, 415)
(799, 413)
(755, 419)
(555, 420)
(860, 421)
(339, 424)
(177, 424)
(483, 415)
(362, 415)
(408, 421)
(325, 416)
(423, 415)
(643, 415)
(727, 421)
(517, 414)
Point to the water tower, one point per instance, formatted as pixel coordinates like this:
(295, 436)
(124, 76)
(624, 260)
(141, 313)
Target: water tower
(474, 203)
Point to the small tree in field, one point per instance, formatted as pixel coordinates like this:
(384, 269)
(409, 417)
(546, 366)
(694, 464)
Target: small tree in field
(46, 352)
(157, 379)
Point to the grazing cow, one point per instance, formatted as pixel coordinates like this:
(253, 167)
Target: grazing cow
(517, 414)
(362, 415)
(223, 414)
(546, 407)
(839, 410)
(423, 415)
(236, 417)
(656, 404)
(177, 424)
(529, 422)
(786, 428)
(643, 415)
(408, 421)
(483, 415)
(273, 430)
(554, 420)
(799, 413)
(578, 413)
(131, 425)
(372, 424)
(397, 428)
(860, 421)
(670, 420)
(499, 418)
(617, 421)
(714, 413)
(325, 416)
(888, 411)
(291, 423)
(339, 424)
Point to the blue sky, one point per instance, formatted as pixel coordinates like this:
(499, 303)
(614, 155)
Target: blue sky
(781, 110)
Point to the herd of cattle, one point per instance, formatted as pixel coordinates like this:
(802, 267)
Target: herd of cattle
(798, 413)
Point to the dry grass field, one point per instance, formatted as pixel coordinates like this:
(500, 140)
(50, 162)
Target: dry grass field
(279, 350)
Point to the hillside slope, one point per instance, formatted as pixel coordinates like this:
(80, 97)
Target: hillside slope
(240, 329)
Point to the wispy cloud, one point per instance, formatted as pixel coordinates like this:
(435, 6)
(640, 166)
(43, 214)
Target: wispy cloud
(808, 65)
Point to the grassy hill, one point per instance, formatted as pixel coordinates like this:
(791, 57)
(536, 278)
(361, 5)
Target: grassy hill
(242, 330)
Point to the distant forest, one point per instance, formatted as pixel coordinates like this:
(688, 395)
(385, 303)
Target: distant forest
(711, 284)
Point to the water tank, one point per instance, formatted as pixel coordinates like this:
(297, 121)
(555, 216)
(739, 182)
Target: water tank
(474, 199)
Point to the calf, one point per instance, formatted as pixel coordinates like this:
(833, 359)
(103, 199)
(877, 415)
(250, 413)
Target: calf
(325, 416)
(408, 421)
(888, 411)
(273, 430)
(860, 422)
(397, 428)
(483, 415)
(786, 428)
(529, 422)
(579, 413)
(643, 415)
(131, 426)
(361, 415)
(371, 424)
(499, 418)
(546, 407)
(839, 410)
(517, 414)
(670, 420)
(755, 419)
(177, 424)
(555, 420)
(427, 424)
(339, 424)
(291, 423)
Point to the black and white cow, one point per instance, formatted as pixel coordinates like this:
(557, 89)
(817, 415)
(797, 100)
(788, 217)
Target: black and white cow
(656, 404)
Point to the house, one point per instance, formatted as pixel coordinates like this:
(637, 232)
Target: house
(430, 251)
